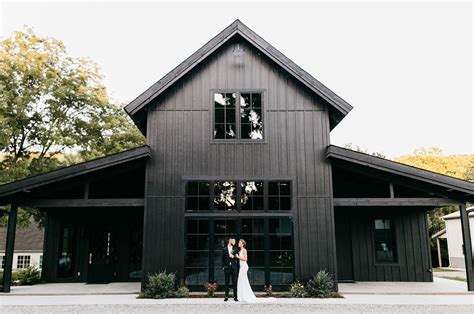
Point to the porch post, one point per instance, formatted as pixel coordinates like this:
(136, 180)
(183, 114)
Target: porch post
(9, 248)
(438, 248)
(467, 245)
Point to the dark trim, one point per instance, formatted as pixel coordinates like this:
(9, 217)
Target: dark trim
(10, 248)
(75, 170)
(237, 27)
(447, 182)
(66, 203)
(467, 247)
(394, 202)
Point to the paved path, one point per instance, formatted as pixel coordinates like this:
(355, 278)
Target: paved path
(439, 286)
(129, 304)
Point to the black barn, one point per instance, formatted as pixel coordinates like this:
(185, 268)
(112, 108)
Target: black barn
(238, 143)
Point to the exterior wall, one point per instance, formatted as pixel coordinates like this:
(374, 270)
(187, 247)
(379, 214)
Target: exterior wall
(35, 258)
(296, 131)
(454, 236)
(413, 263)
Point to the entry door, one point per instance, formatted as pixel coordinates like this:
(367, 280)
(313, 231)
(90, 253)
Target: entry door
(345, 270)
(102, 263)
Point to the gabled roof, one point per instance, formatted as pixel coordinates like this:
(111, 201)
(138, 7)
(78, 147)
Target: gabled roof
(339, 107)
(74, 170)
(449, 184)
(456, 215)
(439, 234)
(28, 239)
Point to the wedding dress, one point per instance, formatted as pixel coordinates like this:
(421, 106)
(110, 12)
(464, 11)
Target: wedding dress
(244, 290)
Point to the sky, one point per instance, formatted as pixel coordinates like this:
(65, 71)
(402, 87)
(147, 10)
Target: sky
(405, 67)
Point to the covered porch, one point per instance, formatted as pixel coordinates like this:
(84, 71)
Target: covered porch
(93, 219)
(381, 220)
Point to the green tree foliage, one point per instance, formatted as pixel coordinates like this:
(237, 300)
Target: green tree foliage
(52, 104)
(433, 159)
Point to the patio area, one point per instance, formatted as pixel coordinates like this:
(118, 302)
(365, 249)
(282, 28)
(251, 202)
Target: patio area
(440, 286)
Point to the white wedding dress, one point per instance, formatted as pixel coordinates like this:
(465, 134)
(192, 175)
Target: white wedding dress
(244, 290)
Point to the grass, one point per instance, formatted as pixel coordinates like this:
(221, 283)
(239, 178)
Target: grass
(442, 270)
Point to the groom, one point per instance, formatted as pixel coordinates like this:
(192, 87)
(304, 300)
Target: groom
(229, 265)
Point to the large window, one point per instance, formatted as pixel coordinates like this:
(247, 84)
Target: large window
(269, 245)
(385, 242)
(246, 106)
(65, 259)
(245, 196)
(23, 261)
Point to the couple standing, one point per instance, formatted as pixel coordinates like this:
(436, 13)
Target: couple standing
(234, 262)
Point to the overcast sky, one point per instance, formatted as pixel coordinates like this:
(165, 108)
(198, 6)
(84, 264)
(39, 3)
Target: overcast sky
(406, 68)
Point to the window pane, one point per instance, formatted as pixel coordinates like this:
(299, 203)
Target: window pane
(385, 242)
(219, 115)
(273, 188)
(256, 100)
(245, 130)
(251, 195)
(230, 131)
(224, 195)
(219, 131)
(193, 188)
(192, 204)
(285, 188)
(285, 203)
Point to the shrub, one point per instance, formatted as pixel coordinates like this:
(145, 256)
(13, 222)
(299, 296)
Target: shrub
(182, 292)
(160, 286)
(320, 285)
(28, 276)
(297, 290)
(268, 290)
(211, 288)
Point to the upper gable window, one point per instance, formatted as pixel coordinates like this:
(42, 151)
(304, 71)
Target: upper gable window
(249, 125)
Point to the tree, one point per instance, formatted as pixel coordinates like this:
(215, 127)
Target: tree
(433, 159)
(52, 104)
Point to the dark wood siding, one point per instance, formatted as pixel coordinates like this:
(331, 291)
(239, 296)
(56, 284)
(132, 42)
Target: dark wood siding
(296, 132)
(411, 233)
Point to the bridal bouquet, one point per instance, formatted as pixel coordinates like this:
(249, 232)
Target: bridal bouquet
(211, 288)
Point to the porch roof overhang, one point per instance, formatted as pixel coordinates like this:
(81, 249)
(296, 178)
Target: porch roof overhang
(15, 189)
(438, 185)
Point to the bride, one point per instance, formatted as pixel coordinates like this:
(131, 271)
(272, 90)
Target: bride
(244, 291)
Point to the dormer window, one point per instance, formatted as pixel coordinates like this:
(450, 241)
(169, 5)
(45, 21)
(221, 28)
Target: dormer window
(247, 106)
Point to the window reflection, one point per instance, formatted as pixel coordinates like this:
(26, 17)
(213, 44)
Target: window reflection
(224, 195)
(224, 115)
(251, 125)
(252, 195)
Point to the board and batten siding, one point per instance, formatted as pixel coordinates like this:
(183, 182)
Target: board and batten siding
(414, 262)
(296, 131)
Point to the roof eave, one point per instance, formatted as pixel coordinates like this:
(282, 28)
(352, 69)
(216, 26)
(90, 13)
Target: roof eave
(237, 27)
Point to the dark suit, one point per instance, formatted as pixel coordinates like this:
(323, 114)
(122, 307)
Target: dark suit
(230, 266)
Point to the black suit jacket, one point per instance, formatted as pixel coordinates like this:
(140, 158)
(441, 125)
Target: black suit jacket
(227, 261)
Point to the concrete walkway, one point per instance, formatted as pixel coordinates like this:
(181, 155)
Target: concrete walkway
(77, 289)
(129, 304)
(439, 286)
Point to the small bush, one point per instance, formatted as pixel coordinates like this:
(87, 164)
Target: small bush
(297, 290)
(182, 292)
(28, 276)
(211, 288)
(160, 286)
(268, 290)
(320, 285)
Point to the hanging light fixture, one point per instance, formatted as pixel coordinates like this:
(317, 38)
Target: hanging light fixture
(238, 51)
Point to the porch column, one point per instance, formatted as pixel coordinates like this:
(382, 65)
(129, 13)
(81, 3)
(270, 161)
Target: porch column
(438, 248)
(467, 245)
(9, 248)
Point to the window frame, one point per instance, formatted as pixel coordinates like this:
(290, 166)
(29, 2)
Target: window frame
(238, 195)
(238, 138)
(396, 261)
(24, 259)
